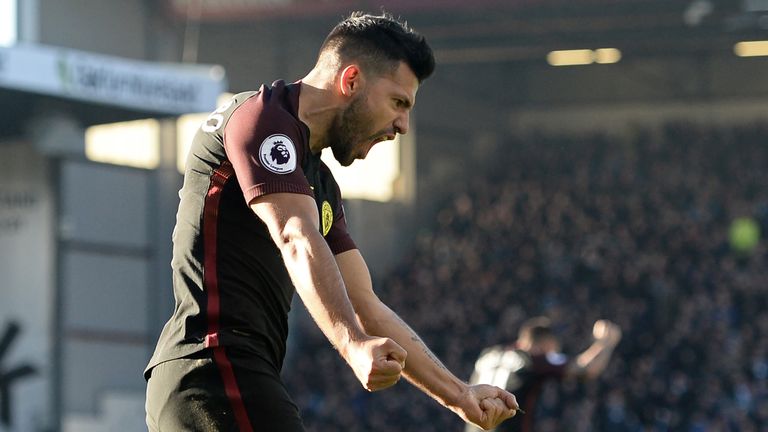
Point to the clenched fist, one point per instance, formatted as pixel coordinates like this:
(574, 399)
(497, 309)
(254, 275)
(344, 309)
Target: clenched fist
(377, 362)
(486, 406)
(606, 331)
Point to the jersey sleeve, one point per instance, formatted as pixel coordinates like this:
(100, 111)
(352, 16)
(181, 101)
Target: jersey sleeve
(338, 238)
(265, 145)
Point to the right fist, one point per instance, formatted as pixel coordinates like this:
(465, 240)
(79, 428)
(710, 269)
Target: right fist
(377, 362)
(606, 331)
(485, 406)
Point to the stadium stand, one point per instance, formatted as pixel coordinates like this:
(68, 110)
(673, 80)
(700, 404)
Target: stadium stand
(580, 228)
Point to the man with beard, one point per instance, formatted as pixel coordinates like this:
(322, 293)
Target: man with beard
(261, 215)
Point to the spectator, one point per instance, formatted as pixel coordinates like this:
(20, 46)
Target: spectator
(577, 228)
(525, 366)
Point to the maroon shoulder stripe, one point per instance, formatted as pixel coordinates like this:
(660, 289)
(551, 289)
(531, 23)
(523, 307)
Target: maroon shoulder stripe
(211, 284)
(210, 272)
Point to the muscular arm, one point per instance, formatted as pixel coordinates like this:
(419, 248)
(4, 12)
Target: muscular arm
(483, 405)
(292, 220)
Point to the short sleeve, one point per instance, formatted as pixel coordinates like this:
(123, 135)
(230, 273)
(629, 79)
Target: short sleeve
(265, 145)
(338, 238)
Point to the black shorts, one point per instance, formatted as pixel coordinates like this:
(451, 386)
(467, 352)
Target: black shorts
(215, 391)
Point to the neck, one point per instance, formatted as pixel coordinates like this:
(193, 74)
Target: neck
(318, 105)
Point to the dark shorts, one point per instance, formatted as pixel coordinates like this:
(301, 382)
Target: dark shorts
(215, 391)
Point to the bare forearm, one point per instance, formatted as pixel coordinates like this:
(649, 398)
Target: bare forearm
(321, 288)
(481, 404)
(423, 369)
(594, 360)
(292, 220)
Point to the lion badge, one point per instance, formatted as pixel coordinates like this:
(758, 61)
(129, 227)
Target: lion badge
(278, 154)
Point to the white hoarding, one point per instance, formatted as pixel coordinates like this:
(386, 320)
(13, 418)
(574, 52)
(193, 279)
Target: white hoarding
(26, 294)
(146, 86)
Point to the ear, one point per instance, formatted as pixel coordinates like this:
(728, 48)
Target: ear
(350, 80)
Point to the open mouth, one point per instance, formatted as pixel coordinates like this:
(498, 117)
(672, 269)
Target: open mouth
(383, 138)
(376, 141)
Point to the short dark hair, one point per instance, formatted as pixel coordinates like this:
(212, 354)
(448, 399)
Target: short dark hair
(379, 43)
(537, 330)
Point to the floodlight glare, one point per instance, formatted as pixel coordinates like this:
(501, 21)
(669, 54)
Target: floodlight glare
(132, 143)
(751, 48)
(607, 55)
(570, 57)
(8, 17)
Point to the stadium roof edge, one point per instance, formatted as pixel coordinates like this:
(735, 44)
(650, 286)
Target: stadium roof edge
(135, 85)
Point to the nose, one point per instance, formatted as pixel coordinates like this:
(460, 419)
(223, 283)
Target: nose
(401, 123)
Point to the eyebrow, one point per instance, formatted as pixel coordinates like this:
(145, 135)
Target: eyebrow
(406, 101)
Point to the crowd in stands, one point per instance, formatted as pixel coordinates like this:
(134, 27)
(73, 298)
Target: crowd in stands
(633, 230)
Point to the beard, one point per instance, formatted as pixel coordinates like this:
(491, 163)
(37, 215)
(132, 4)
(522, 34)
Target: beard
(348, 130)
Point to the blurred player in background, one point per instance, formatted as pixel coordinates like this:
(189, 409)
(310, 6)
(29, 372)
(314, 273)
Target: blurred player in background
(534, 358)
(261, 216)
